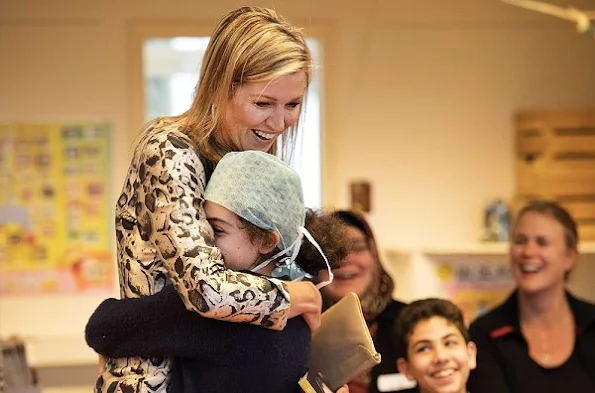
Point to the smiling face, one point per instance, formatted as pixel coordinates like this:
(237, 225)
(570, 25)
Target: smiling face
(438, 357)
(260, 112)
(539, 253)
(357, 269)
(232, 238)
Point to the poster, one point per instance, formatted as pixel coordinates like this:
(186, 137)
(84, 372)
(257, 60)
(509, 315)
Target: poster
(55, 212)
(475, 286)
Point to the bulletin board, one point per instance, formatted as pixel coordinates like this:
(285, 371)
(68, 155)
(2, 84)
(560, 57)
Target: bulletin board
(55, 213)
(475, 286)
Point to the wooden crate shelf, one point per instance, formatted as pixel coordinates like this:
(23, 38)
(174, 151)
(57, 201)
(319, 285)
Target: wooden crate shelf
(555, 159)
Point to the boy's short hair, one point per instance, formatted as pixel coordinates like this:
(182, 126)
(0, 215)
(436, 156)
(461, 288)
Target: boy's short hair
(421, 310)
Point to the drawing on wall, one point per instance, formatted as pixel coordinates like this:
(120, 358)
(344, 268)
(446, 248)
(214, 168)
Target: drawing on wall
(496, 223)
(55, 211)
(474, 286)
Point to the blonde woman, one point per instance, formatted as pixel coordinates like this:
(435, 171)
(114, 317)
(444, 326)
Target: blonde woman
(542, 338)
(253, 81)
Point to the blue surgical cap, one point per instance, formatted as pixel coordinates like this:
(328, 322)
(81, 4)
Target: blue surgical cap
(261, 189)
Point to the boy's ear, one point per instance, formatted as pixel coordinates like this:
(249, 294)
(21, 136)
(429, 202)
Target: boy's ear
(271, 242)
(472, 353)
(403, 367)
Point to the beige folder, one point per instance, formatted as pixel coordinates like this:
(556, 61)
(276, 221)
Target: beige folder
(342, 348)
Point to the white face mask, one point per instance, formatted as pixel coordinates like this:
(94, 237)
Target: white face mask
(287, 267)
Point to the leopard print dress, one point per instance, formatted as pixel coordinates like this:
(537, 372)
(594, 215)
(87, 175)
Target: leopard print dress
(163, 236)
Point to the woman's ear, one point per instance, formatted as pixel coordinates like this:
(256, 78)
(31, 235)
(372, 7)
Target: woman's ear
(270, 243)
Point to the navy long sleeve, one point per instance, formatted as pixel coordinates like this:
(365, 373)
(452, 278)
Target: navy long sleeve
(214, 355)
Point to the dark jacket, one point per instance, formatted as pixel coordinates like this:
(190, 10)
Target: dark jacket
(385, 344)
(503, 357)
(211, 355)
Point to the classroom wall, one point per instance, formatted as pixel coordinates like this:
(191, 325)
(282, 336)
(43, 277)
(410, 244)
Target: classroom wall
(419, 99)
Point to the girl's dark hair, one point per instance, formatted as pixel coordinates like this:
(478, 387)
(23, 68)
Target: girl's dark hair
(329, 232)
(325, 228)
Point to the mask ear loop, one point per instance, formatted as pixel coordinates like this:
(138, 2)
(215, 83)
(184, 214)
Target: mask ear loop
(296, 245)
(297, 241)
(322, 284)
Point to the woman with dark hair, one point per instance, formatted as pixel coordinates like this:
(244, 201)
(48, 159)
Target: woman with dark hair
(362, 272)
(542, 338)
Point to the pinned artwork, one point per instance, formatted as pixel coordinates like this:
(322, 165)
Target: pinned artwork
(360, 196)
(496, 225)
(475, 286)
(55, 211)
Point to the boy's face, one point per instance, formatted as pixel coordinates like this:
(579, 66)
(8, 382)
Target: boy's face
(438, 357)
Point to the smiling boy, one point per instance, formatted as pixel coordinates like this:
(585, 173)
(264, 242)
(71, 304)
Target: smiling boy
(439, 354)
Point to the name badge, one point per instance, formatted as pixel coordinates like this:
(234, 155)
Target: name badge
(394, 382)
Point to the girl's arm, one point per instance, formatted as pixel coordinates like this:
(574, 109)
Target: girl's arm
(155, 325)
(159, 325)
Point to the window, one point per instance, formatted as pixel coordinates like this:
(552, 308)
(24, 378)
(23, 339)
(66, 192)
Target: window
(171, 67)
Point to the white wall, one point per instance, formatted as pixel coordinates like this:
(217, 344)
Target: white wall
(419, 100)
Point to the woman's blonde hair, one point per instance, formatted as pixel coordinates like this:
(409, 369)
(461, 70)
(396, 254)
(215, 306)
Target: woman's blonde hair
(250, 44)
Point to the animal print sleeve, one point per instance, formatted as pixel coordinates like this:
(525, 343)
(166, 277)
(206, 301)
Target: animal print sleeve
(170, 216)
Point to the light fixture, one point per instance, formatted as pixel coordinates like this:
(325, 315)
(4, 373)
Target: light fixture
(583, 19)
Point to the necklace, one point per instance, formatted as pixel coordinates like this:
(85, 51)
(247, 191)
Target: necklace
(546, 358)
(547, 348)
(544, 348)
(539, 345)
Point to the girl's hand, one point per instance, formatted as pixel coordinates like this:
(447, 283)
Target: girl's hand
(306, 301)
(343, 389)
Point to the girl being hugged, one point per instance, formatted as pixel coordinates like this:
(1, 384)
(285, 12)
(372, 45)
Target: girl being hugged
(255, 205)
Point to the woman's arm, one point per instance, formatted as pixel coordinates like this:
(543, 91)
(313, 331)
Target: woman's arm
(169, 215)
(488, 377)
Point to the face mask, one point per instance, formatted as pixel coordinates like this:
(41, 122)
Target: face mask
(288, 268)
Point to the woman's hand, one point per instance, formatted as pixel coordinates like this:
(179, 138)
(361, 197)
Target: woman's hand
(306, 301)
(343, 389)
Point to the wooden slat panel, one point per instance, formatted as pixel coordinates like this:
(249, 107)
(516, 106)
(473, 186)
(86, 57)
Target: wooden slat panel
(581, 211)
(568, 187)
(529, 177)
(555, 159)
(585, 131)
(576, 143)
(556, 118)
(571, 169)
(531, 141)
(586, 232)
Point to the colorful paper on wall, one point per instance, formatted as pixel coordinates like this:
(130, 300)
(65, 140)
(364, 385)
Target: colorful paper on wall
(474, 286)
(55, 212)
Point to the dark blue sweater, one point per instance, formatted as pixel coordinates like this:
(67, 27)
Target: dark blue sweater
(210, 355)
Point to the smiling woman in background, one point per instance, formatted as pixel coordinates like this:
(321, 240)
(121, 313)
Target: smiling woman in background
(541, 339)
(362, 272)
